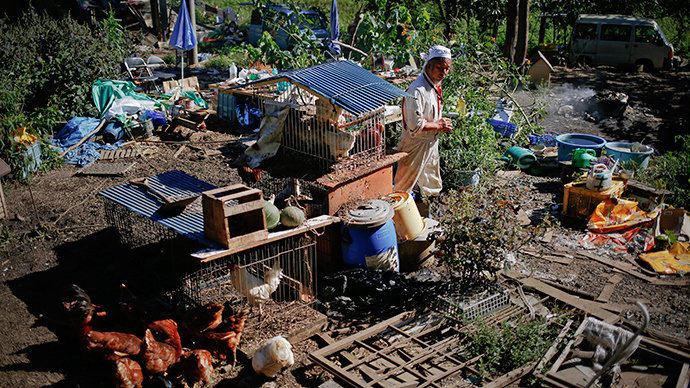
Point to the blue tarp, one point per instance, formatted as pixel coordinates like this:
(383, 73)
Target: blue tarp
(75, 130)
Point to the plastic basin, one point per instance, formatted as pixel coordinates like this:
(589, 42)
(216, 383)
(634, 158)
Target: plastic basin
(568, 142)
(622, 151)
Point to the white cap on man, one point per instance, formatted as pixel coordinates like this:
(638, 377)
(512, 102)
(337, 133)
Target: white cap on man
(437, 51)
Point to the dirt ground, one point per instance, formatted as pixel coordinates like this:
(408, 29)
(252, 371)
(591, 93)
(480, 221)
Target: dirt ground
(57, 233)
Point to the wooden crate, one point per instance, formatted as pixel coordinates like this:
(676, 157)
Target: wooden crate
(580, 202)
(234, 215)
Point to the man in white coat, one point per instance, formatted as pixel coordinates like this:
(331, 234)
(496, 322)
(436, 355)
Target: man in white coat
(422, 124)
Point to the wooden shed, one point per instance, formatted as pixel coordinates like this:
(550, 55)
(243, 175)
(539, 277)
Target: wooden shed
(541, 69)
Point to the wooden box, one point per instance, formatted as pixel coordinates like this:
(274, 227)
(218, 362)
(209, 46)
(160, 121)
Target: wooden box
(580, 202)
(234, 215)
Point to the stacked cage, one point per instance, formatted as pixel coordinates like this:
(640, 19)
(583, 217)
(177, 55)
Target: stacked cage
(334, 137)
(233, 277)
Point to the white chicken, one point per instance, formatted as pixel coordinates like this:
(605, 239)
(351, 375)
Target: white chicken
(272, 356)
(257, 291)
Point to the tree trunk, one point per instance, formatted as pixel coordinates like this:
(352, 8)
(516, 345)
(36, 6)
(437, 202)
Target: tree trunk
(522, 33)
(542, 29)
(511, 29)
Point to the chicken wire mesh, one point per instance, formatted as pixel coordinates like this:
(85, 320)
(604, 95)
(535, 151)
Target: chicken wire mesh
(231, 277)
(134, 229)
(471, 305)
(330, 135)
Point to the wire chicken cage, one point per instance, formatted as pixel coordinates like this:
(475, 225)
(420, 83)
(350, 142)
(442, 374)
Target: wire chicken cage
(336, 113)
(224, 279)
(331, 135)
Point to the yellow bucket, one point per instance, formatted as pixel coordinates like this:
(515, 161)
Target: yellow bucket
(408, 223)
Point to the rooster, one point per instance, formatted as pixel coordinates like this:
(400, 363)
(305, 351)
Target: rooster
(128, 374)
(205, 318)
(156, 357)
(249, 175)
(274, 355)
(257, 291)
(225, 337)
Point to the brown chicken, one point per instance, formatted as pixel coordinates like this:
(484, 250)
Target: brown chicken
(220, 343)
(196, 366)
(112, 345)
(128, 373)
(206, 318)
(165, 331)
(156, 357)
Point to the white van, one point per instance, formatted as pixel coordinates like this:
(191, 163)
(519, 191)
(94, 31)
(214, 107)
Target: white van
(619, 41)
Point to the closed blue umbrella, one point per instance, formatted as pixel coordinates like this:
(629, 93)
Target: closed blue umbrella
(335, 27)
(183, 36)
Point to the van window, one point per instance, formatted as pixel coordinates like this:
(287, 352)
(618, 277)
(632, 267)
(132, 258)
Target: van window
(586, 31)
(256, 18)
(615, 32)
(645, 34)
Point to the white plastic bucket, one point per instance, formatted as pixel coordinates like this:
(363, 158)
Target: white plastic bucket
(408, 222)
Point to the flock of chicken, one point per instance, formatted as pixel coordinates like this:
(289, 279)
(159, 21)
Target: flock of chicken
(155, 351)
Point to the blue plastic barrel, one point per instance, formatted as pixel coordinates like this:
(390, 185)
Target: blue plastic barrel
(368, 237)
(567, 143)
(113, 132)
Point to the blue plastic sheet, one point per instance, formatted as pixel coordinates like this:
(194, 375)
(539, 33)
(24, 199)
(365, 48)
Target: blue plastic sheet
(75, 130)
(88, 153)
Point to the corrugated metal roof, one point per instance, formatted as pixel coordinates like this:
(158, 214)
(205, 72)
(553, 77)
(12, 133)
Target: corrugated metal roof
(344, 83)
(171, 183)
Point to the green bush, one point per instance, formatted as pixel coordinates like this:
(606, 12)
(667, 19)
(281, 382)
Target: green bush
(48, 68)
(671, 171)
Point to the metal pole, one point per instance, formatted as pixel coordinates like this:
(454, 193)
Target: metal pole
(192, 55)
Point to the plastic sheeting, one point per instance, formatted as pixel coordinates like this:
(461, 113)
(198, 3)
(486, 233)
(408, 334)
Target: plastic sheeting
(106, 92)
(88, 153)
(270, 135)
(75, 130)
(607, 339)
(671, 261)
(613, 215)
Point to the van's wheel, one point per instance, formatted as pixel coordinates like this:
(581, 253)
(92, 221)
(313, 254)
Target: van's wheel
(644, 65)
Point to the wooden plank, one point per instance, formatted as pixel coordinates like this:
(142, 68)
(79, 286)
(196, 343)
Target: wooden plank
(684, 378)
(511, 376)
(628, 268)
(320, 356)
(311, 224)
(553, 349)
(555, 259)
(584, 305)
(608, 289)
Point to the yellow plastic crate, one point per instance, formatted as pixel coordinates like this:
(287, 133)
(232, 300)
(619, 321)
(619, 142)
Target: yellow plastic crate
(580, 202)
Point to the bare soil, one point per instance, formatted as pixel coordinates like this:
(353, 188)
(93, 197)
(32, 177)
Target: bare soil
(57, 233)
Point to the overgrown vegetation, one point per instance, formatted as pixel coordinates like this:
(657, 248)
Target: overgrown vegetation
(671, 171)
(48, 68)
(482, 232)
(513, 343)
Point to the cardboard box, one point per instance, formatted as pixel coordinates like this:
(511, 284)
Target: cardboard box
(674, 220)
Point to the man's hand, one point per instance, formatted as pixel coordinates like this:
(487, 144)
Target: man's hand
(445, 125)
